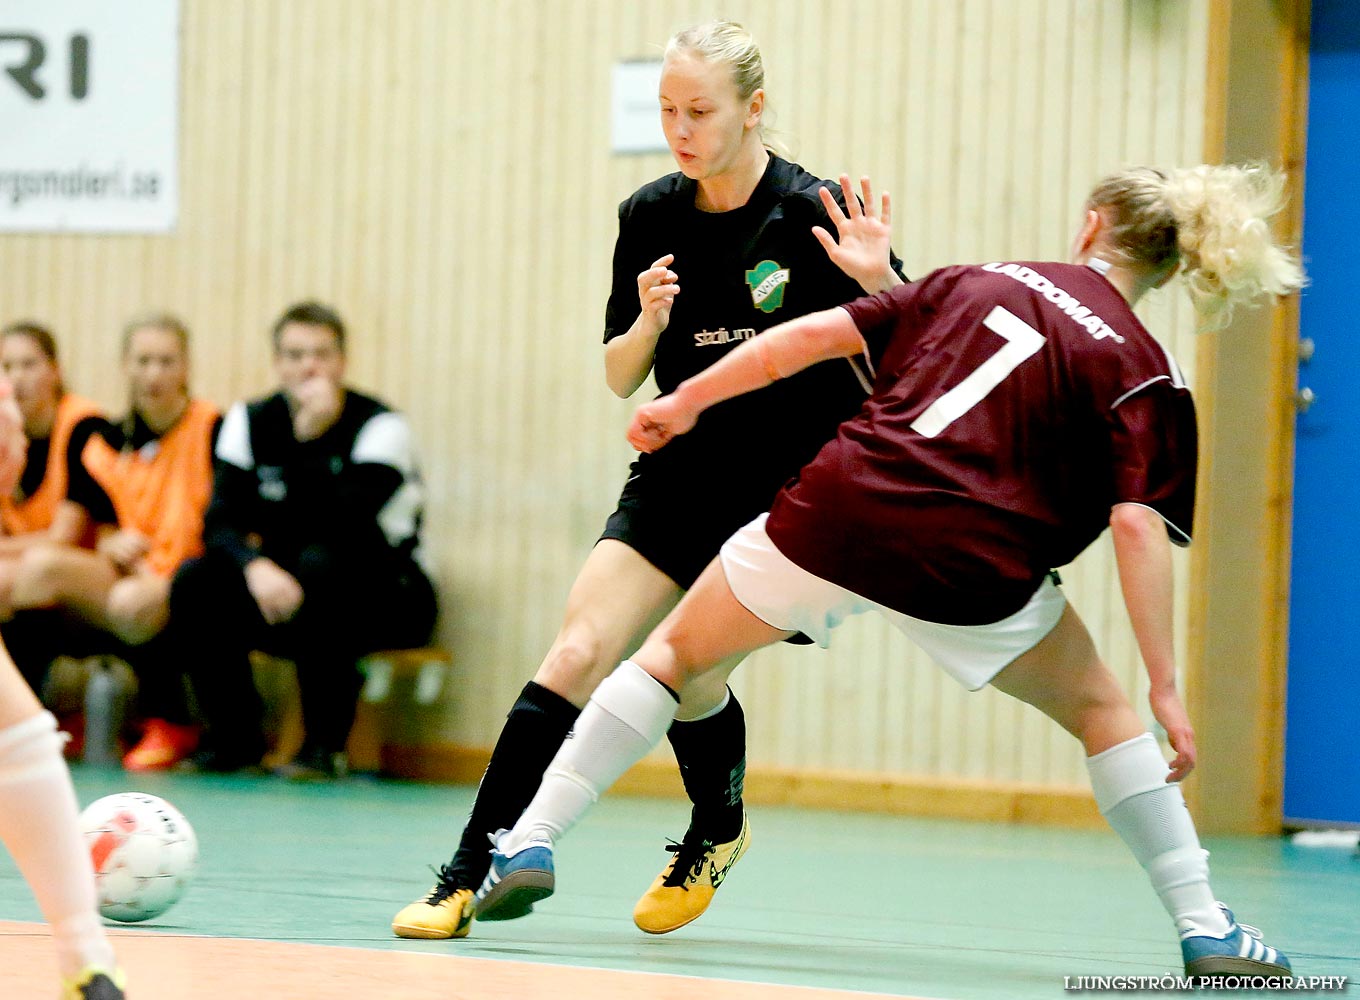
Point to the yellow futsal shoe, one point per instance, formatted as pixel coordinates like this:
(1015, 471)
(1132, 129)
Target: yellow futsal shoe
(95, 984)
(683, 891)
(445, 913)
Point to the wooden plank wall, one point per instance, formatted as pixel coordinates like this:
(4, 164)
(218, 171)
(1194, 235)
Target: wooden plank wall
(440, 171)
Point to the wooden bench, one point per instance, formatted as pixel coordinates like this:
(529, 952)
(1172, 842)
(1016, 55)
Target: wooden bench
(426, 668)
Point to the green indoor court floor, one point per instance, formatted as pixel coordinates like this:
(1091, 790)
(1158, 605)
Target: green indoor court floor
(922, 908)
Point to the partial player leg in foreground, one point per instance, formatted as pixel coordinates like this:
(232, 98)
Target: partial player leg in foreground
(38, 813)
(38, 823)
(1062, 676)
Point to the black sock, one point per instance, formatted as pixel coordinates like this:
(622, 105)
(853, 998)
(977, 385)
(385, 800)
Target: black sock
(534, 730)
(712, 757)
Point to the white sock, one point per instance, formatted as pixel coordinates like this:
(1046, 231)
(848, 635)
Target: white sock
(625, 718)
(38, 823)
(1150, 816)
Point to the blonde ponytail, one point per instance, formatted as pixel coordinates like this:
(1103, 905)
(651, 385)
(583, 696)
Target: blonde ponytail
(1212, 219)
(1227, 247)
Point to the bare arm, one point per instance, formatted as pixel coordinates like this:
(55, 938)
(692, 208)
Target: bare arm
(13, 444)
(628, 358)
(777, 353)
(1143, 554)
(13, 455)
(68, 524)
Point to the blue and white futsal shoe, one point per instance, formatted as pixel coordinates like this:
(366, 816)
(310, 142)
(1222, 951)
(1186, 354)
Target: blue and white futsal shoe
(1240, 953)
(516, 881)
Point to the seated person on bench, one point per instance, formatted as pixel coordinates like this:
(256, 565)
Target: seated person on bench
(312, 551)
(144, 482)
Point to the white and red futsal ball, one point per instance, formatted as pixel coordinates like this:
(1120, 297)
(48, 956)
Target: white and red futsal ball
(144, 853)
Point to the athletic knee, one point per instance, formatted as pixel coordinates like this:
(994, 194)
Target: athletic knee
(136, 612)
(668, 657)
(701, 696)
(1098, 711)
(575, 665)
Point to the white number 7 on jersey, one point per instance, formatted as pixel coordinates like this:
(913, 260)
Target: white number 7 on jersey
(1022, 340)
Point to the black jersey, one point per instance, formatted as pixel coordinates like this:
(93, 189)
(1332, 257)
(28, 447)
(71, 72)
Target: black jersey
(35, 467)
(357, 485)
(740, 272)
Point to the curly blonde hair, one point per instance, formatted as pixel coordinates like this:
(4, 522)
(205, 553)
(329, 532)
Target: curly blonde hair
(1212, 219)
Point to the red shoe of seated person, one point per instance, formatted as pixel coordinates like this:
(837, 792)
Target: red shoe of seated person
(163, 745)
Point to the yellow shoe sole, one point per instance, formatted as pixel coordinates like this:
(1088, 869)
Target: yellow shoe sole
(449, 918)
(665, 908)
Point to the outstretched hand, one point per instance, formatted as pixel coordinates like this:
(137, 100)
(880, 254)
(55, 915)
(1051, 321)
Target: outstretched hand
(1168, 710)
(862, 247)
(656, 423)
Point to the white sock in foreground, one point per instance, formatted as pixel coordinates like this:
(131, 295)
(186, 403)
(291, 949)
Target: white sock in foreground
(625, 718)
(38, 823)
(1150, 816)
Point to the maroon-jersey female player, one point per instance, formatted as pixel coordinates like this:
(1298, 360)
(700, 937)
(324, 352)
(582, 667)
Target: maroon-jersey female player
(1018, 409)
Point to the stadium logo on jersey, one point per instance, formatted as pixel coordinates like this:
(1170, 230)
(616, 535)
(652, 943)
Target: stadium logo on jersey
(722, 335)
(767, 280)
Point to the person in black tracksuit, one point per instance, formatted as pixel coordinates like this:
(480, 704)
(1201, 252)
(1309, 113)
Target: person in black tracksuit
(707, 257)
(313, 551)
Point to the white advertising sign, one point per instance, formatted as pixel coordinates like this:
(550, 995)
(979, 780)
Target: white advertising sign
(89, 103)
(635, 109)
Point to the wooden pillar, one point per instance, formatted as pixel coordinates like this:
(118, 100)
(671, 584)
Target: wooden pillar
(1245, 385)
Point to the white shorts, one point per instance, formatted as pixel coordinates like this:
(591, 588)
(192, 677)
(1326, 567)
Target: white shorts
(783, 594)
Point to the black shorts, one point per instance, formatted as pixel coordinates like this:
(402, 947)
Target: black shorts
(676, 530)
(666, 531)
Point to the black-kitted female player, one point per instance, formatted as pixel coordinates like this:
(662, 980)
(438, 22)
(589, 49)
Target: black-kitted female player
(734, 242)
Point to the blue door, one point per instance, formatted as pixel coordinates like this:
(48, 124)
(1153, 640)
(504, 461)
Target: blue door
(1322, 740)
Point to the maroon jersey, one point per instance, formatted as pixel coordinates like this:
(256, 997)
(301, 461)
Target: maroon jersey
(1014, 406)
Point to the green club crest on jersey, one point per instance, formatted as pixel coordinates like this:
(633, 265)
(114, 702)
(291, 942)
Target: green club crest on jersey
(767, 280)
